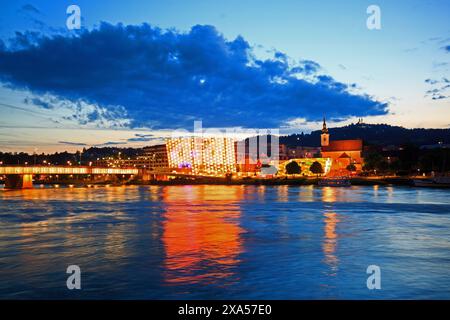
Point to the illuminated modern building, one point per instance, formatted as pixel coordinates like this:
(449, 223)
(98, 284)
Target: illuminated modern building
(156, 157)
(213, 156)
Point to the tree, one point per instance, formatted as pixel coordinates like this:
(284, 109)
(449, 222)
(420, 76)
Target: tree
(373, 161)
(293, 168)
(409, 157)
(316, 168)
(351, 167)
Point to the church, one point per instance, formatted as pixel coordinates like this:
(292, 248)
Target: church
(341, 152)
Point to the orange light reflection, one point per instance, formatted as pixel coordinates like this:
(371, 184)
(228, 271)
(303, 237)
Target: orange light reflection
(202, 244)
(330, 240)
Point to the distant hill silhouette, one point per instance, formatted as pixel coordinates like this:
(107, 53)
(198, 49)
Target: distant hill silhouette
(376, 134)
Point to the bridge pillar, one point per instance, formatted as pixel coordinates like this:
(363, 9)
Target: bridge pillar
(19, 181)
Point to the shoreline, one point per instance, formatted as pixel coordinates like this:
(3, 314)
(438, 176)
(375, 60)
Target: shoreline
(295, 181)
(355, 181)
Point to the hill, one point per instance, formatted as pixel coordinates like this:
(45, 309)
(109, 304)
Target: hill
(372, 134)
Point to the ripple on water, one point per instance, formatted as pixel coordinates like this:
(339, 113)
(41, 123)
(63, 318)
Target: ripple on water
(279, 242)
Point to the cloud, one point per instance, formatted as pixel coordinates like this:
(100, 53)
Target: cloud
(111, 143)
(39, 102)
(439, 88)
(167, 79)
(142, 137)
(139, 139)
(30, 8)
(32, 13)
(439, 97)
(72, 143)
(81, 112)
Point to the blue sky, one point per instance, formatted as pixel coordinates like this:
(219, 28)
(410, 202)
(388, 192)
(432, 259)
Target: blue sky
(279, 64)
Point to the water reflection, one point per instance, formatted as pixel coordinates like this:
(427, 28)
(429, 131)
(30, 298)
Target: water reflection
(375, 191)
(164, 242)
(202, 241)
(329, 196)
(56, 227)
(282, 194)
(330, 241)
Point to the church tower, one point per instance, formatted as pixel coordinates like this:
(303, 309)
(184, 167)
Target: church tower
(324, 137)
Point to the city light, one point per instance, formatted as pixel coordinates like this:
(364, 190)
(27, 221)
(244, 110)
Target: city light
(305, 164)
(214, 156)
(65, 170)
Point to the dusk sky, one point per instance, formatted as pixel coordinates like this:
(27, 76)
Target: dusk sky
(136, 70)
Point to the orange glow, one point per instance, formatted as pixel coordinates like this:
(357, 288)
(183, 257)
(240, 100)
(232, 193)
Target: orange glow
(330, 239)
(329, 194)
(64, 170)
(305, 164)
(27, 181)
(211, 156)
(208, 235)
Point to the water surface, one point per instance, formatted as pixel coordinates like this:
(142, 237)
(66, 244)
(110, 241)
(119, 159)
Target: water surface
(225, 242)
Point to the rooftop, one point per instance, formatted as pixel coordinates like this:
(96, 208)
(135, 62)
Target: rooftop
(344, 145)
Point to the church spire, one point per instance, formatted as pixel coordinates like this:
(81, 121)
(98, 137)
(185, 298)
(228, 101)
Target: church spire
(324, 127)
(324, 137)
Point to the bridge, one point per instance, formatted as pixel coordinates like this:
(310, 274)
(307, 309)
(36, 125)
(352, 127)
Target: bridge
(21, 177)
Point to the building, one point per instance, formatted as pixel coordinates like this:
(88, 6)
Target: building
(341, 152)
(214, 156)
(155, 157)
(283, 153)
(303, 152)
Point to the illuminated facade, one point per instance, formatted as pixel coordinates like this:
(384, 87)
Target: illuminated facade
(342, 152)
(64, 170)
(156, 157)
(213, 156)
(305, 164)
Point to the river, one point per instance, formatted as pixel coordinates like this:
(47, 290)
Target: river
(225, 242)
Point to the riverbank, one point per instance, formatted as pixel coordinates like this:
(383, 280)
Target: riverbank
(358, 181)
(355, 181)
